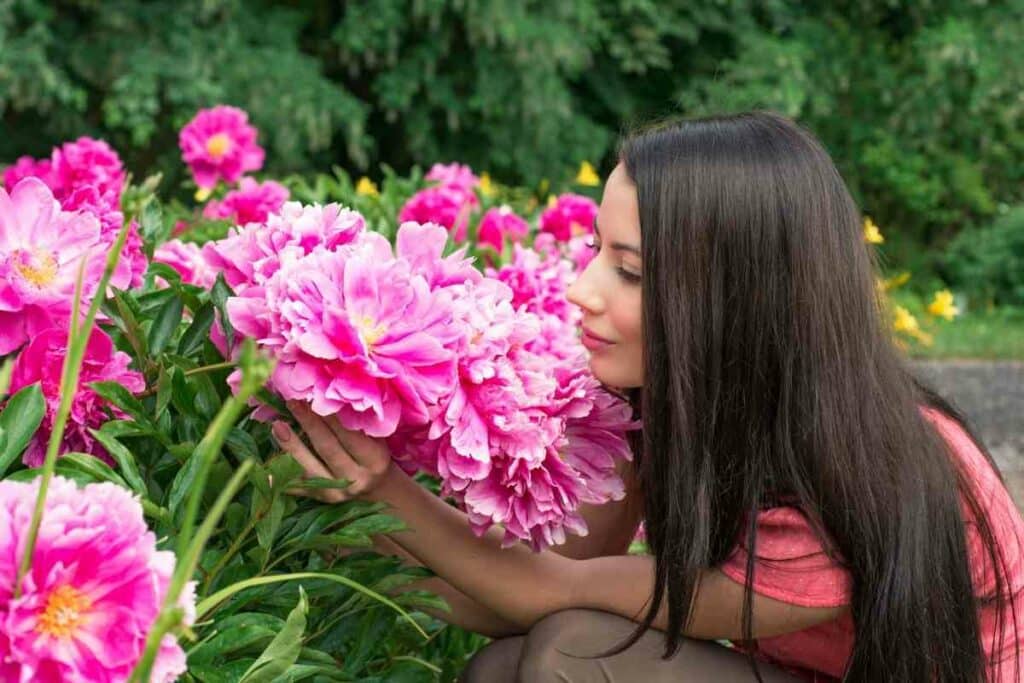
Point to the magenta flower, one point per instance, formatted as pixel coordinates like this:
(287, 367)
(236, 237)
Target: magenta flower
(219, 143)
(87, 162)
(131, 267)
(498, 224)
(539, 283)
(356, 333)
(41, 249)
(187, 259)
(42, 360)
(94, 589)
(26, 167)
(252, 253)
(252, 202)
(571, 215)
(445, 205)
(453, 174)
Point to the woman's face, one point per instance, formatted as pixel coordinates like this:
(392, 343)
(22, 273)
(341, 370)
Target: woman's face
(608, 290)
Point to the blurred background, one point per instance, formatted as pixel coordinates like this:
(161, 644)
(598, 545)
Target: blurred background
(920, 103)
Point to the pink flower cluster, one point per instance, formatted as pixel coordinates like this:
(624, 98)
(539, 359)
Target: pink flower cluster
(252, 202)
(43, 360)
(478, 380)
(87, 175)
(449, 203)
(570, 216)
(187, 259)
(219, 144)
(94, 589)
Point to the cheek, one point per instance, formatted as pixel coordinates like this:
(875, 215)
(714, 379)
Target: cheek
(627, 317)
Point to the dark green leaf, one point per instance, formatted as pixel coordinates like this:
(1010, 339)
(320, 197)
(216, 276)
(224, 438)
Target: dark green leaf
(124, 459)
(283, 649)
(90, 466)
(219, 295)
(19, 420)
(198, 331)
(165, 324)
(183, 482)
(123, 399)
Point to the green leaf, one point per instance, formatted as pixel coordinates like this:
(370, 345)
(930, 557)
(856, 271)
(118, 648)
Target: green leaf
(152, 226)
(5, 375)
(124, 459)
(163, 390)
(90, 466)
(183, 482)
(167, 320)
(198, 331)
(270, 522)
(123, 399)
(19, 421)
(283, 650)
(219, 295)
(172, 276)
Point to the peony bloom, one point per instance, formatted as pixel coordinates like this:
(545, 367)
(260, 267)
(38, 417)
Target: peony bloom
(26, 167)
(87, 162)
(499, 223)
(131, 267)
(455, 174)
(42, 360)
(569, 216)
(220, 144)
(95, 587)
(252, 202)
(187, 259)
(252, 253)
(539, 282)
(41, 250)
(445, 205)
(356, 333)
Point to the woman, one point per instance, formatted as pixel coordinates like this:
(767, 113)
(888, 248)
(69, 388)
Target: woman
(802, 494)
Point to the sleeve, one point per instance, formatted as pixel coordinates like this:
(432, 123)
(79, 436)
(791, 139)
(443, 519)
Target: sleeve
(790, 562)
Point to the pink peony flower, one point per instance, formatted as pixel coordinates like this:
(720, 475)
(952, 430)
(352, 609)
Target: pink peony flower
(26, 167)
(501, 223)
(356, 333)
(445, 205)
(94, 589)
(219, 143)
(252, 253)
(571, 215)
(88, 162)
(42, 360)
(131, 267)
(41, 250)
(453, 174)
(539, 283)
(187, 259)
(252, 202)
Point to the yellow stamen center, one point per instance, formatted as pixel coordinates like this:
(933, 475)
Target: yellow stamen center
(369, 332)
(218, 145)
(66, 610)
(37, 267)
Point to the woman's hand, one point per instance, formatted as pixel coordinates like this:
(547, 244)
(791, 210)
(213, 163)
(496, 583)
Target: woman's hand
(343, 454)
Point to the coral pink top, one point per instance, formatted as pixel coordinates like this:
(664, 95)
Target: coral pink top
(791, 566)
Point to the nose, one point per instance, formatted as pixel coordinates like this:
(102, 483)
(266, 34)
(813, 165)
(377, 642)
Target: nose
(582, 293)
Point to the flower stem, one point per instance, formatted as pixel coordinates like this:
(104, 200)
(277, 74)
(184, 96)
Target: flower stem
(78, 338)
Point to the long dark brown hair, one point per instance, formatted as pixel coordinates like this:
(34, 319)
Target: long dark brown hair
(770, 376)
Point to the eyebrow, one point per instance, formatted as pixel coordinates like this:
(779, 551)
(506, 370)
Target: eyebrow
(618, 246)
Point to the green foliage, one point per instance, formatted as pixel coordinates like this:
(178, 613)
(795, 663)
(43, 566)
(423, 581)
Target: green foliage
(917, 101)
(988, 263)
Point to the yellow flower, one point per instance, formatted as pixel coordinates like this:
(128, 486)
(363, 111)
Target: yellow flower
(872, 235)
(906, 323)
(367, 187)
(587, 175)
(486, 184)
(895, 281)
(203, 193)
(552, 200)
(942, 305)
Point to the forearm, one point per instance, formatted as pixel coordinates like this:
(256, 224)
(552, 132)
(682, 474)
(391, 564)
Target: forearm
(465, 612)
(518, 585)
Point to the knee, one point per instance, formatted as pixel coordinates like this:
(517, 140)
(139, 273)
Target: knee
(551, 643)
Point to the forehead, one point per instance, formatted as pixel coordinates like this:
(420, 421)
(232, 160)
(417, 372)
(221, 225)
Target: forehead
(619, 214)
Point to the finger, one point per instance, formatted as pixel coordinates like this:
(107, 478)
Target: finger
(365, 450)
(309, 462)
(325, 443)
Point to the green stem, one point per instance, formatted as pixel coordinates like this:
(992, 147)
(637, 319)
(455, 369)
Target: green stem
(195, 371)
(235, 545)
(78, 338)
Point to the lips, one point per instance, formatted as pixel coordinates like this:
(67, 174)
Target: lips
(594, 342)
(596, 337)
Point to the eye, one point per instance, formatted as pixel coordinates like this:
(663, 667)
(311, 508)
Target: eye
(628, 276)
(593, 244)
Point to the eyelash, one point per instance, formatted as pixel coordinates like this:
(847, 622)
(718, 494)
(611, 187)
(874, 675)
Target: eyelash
(627, 276)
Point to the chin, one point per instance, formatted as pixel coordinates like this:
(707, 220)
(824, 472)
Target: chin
(610, 374)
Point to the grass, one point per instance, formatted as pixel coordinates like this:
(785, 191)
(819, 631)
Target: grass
(994, 335)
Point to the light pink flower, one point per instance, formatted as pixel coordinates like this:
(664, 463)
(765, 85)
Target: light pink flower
(218, 143)
(132, 264)
(94, 589)
(87, 162)
(498, 224)
(356, 333)
(41, 249)
(187, 259)
(252, 202)
(453, 174)
(570, 216)
(26, 167)
(42, 360)
(539, 283)
(445, 205)
(252, 253)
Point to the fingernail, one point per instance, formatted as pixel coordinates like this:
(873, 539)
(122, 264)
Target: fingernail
(281, 431)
